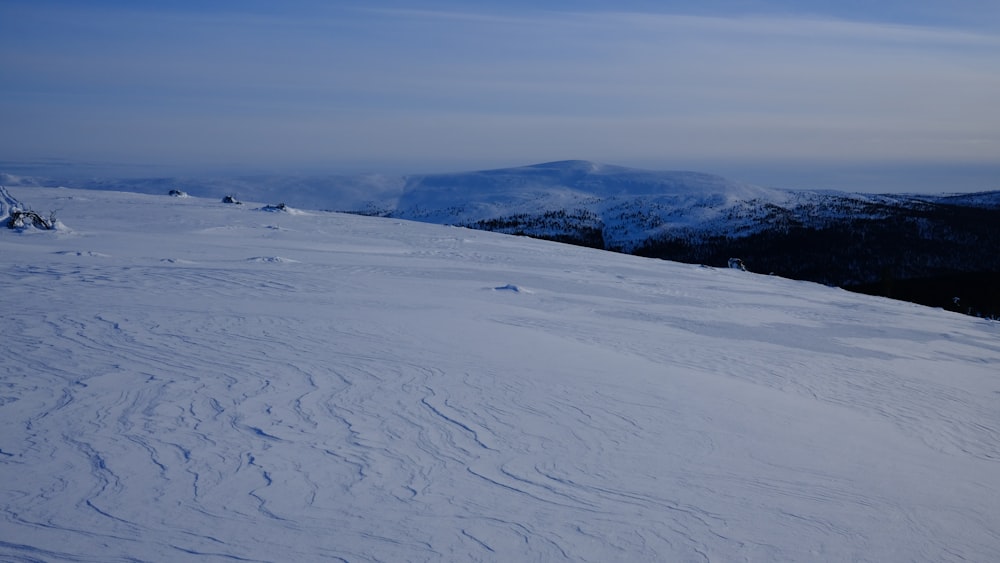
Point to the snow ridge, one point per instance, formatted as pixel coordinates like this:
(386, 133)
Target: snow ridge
(7, 205)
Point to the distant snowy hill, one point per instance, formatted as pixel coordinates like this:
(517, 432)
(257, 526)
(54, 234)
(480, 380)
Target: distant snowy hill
(186, 380)
(989, 200)
(626, 205)
(632, 208)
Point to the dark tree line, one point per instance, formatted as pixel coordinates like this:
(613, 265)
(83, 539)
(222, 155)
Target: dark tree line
(578, 227)
(928, 255)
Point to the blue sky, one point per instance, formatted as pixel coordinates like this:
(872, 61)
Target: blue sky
(888, 95)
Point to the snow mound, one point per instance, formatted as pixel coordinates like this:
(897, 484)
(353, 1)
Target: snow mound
(83, 253)
(271, 260)
(281, 208)
(177, 261)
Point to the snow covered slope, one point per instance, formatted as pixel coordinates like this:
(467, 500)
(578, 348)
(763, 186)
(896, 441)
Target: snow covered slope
(342, 193)
(184, 380)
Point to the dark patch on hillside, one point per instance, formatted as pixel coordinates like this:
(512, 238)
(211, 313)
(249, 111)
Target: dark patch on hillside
(852, 251)
(578, 227)
(975, 293)
(926, 254)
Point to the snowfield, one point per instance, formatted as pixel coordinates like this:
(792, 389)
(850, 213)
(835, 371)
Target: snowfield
(185, 380)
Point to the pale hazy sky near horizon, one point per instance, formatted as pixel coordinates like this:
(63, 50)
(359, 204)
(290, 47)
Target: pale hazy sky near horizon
(890, 95)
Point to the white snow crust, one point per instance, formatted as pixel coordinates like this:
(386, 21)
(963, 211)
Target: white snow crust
(182, 381)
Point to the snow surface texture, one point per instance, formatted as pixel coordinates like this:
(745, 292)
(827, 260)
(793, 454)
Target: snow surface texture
(188, 380)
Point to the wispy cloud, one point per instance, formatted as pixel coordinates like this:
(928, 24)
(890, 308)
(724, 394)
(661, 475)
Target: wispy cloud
(407, 84)
(811, 27)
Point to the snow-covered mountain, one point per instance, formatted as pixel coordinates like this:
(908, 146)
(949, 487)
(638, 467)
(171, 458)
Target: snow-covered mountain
(941, 245)
(628, 209)
(186, 380)
(554, 200)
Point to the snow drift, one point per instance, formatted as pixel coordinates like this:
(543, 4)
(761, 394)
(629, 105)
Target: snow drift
(374, 389)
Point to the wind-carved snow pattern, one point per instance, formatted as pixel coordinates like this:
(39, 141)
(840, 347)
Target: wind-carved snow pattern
(369, 401)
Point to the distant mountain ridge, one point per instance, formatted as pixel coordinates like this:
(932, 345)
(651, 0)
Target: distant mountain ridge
(557, 199)
(837, 238)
